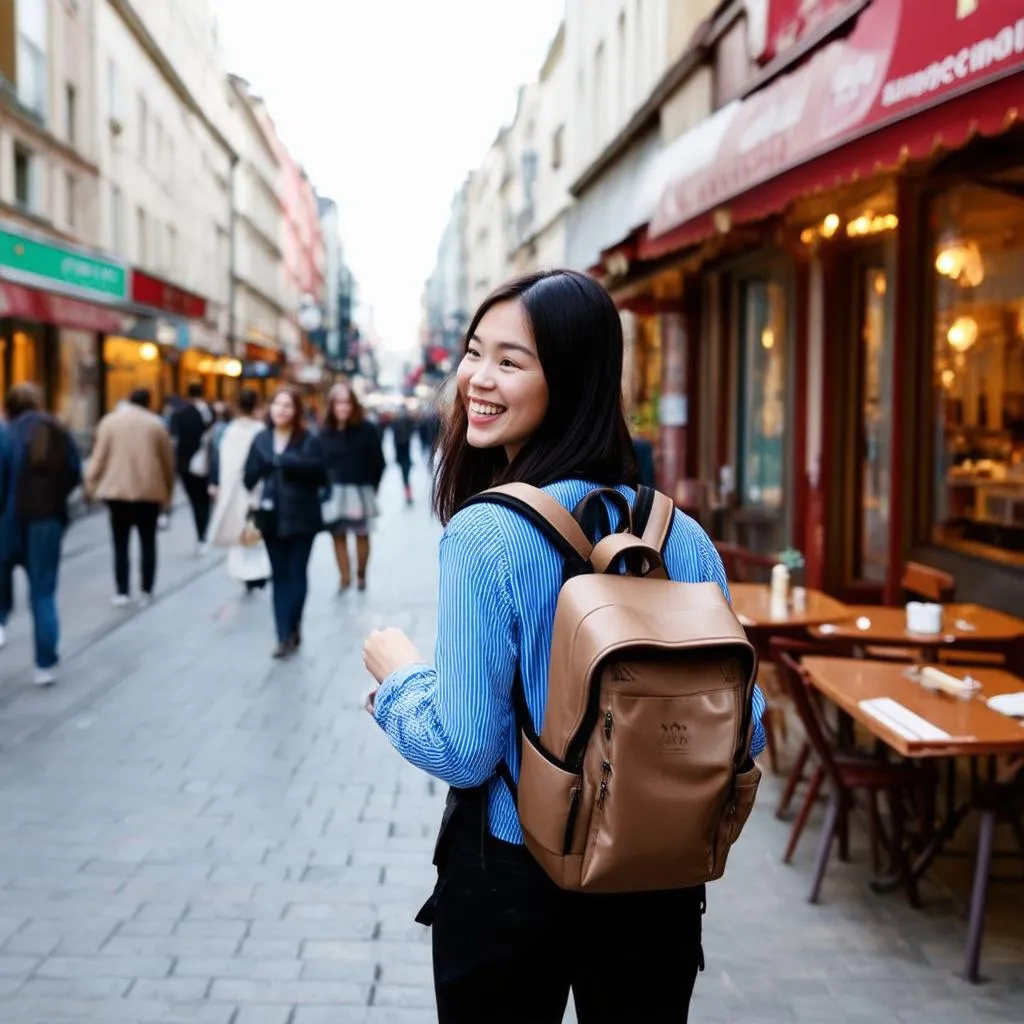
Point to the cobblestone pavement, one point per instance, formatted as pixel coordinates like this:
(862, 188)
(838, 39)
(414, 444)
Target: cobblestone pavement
(192, 833)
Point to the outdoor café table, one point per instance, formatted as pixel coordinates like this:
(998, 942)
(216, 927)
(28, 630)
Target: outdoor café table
(967, 625)
(958, 728)
(753, 607)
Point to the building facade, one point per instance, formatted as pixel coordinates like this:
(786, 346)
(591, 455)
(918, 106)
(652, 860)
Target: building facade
(850, 211)
(259, 285)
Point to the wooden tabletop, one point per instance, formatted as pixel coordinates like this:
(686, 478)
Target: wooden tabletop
(961, 623)
(752, 604)
(973, 727)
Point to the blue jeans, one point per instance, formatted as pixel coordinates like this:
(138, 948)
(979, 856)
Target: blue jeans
(39, 552)
(289, 559)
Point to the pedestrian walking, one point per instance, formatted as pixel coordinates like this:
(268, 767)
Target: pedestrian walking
(355, 464)
(539, 402)
(402, 430)
(132, 469)
(39, 468)
(247, 559)
(191, 430)
(286, 461)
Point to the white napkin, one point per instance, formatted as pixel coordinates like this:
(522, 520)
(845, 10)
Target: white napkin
(935, 679)
(1011, 704)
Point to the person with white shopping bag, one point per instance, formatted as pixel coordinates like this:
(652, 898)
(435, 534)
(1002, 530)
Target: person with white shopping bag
(230, 524)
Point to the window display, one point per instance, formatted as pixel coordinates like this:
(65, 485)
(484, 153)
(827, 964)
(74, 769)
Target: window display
(978, 264)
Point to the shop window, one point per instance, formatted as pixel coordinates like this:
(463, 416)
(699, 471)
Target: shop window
(763, 413)
(77, 398)
(26, 364)
(978, 267)
(128, 365)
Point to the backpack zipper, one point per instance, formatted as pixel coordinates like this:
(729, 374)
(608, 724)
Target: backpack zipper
(570, 822)
(606, 770)
(608, 725)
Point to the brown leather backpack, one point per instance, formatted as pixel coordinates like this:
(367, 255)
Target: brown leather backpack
(641, 776)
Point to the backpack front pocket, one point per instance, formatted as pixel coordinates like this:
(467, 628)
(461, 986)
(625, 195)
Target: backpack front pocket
(648, 758)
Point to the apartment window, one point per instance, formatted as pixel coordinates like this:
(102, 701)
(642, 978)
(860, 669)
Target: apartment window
(25, 175)
(70, 114)
(143, 127)
(113, 90)
(117, 219)
(170, 162)
(557, 147)
(621, 70)
(172, 246)
(158, 143)
(140, 235)
(69, 198)
(732, 64)
(31, 17)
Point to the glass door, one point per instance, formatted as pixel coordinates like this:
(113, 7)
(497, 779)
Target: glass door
(873, 426)
(762, 455)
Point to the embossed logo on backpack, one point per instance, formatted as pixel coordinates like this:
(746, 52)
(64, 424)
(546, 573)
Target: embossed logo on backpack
(673, 738)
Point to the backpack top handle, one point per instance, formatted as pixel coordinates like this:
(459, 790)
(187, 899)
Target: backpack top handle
(619, 500)
(608, 551)
(653, 516)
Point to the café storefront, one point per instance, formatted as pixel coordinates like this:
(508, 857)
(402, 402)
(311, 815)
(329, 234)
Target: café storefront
(57, 301)
(852, 235)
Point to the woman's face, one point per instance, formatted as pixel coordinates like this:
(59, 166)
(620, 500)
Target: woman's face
(342, 405)
(282, 410)
(501, 382)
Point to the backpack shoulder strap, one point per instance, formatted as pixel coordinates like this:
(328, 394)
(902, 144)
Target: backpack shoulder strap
(653, 513)
(554, 521)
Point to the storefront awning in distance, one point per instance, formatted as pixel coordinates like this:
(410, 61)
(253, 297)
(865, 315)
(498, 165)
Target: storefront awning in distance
(896, 88)
(45, 308)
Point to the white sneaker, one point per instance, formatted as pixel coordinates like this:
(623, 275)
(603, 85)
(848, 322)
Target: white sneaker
(45, 677)
(3, 636)
(202, 548)
(145, 600)
(120, 600)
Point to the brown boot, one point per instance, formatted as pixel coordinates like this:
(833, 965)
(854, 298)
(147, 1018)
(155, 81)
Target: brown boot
(341, 557)
(362, 558)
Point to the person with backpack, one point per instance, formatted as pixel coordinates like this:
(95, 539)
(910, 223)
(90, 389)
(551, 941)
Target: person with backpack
(40, 467)
(592, 702)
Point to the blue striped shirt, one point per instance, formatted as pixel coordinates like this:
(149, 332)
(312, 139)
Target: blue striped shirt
(500, 580)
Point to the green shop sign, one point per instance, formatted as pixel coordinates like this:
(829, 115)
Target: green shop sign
(61, 269)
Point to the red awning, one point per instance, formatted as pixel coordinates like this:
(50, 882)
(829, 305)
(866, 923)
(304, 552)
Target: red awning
(889, 92)
(42, 307)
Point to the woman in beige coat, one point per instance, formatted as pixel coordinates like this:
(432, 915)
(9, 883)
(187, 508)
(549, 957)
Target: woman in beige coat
(247, 563)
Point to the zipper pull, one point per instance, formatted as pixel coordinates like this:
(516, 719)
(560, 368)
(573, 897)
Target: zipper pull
(608, 725)
(603, 789)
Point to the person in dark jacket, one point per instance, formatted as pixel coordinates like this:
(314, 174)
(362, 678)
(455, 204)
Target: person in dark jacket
(402, 430)
(355, 465)
(188, 429)
(39, 468)
(285, 460)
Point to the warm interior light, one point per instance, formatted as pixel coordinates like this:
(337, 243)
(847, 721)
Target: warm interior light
(148, 351)
(948, 376)
(767, 338)
(830, 225)
(232, 368)
(880, 284)
(963, 333)
(206, 365)
(961, 262)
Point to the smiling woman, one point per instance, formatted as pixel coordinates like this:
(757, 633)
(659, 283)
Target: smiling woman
(538, 401)
(555, 333)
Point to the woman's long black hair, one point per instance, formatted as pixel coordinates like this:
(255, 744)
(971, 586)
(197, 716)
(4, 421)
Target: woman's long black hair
(578, 335)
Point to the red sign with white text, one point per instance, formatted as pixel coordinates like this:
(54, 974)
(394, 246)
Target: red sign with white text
(887, 69)
(151, 291)
(790, 21)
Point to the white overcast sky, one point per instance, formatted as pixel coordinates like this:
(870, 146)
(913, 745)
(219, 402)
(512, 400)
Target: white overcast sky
(388, 104)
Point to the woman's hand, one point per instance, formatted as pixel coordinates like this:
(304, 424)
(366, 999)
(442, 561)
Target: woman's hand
(386, 650)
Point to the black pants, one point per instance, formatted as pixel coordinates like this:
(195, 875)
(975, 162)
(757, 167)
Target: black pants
(143, 516)
(508, 944)
(197, 488)
(289, 560)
